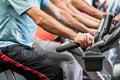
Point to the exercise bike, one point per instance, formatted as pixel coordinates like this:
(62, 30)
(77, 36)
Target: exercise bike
(95, 60)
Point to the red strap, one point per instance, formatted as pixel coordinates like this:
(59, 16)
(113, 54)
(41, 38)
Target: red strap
(8, 60)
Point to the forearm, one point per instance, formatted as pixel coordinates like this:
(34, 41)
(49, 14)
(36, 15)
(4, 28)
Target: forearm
(77, 12)
(66, 19)
(50, 24)
(53, 26)
(72, 8)
(62, 5)
(57, 28)
(90, 17)
(83, 18)
(82, 6)
(88, 22)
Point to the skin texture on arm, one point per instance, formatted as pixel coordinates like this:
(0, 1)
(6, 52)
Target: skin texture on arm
(77, 12)
(51, 25)
(82, 18)
(83, 6)
(62, 4)
(66, 19)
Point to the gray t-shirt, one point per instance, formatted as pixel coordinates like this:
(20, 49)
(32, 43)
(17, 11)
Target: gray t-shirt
(15, 26)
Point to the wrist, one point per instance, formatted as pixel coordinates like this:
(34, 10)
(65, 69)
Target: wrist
(72, 37)
(88, 30)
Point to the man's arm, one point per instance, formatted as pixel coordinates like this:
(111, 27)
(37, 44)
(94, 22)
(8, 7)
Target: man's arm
(77, 12)
(82, 6)
(62, 5)
(53, 26)
(68, 20)
(83, 19)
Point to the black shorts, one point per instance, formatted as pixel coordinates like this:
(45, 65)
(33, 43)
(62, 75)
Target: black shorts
(28, 58)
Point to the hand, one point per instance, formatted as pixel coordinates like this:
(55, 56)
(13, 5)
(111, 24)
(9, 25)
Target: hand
(92, 31)
(85, 39)
(116, 19)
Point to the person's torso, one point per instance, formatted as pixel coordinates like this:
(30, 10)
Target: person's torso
(17, 27)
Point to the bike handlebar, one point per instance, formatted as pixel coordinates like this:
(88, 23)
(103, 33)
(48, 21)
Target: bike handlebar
(105, 41)
(67, 47)
(104, 26)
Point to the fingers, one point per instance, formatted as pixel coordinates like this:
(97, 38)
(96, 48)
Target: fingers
(93, 31)
(85, 40)
(116, 19)
(89, 39)
(115, 22)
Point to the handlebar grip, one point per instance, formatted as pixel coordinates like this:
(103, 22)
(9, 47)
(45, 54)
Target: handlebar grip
(67, 47)
(113, 37)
